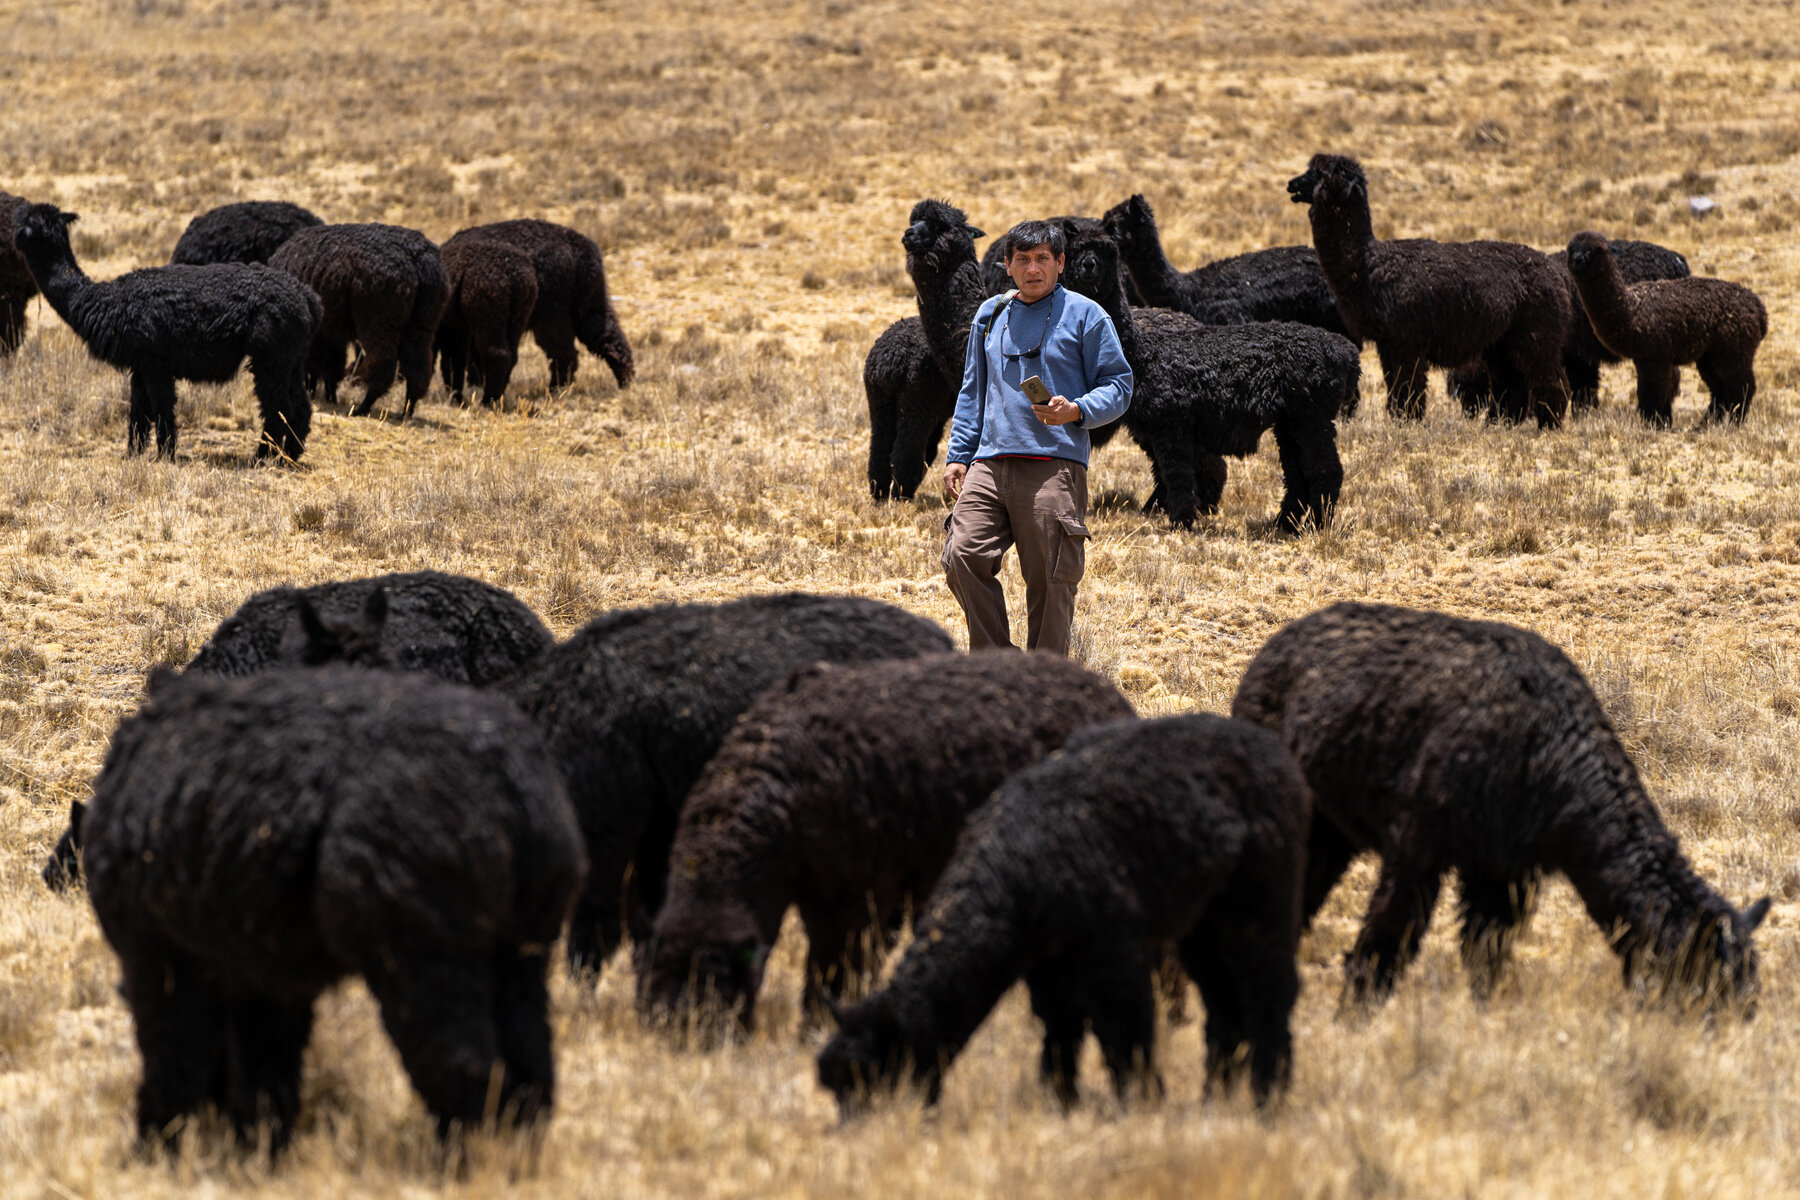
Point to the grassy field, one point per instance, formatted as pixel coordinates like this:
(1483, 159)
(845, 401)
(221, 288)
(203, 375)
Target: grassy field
(747, 168)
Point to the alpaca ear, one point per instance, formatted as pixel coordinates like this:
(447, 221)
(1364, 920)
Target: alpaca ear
(310, 622)
(1753, 916)
(160, 677)
(69, 218)
(375, 610)
(973, 232)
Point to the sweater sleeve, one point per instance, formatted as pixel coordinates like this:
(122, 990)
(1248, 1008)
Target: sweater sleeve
(971, 400)
(1104, 362)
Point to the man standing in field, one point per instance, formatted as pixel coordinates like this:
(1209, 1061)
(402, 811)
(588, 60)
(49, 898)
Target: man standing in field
(1017, 471)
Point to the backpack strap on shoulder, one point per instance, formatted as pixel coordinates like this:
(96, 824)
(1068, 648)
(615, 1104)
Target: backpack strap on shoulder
(1005, 299)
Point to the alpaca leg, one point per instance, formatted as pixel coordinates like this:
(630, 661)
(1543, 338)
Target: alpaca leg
(414, 359)
(1470, 386)
(1121, 1005)
(178, 1012)
(453, 361)
(1055, 1000)
(266, 1040)
(555, 335)
(140, 417)
(1584, 382)
(1732, 386)
(884, 421)
(831, 957)
(1399, 913)
(12, 324)
(1512, 396)
(326, 366)
(1406, 378)
(521, 1013)
(1174, 456)
(1492, 910)
(1312, 476)
(1209, 480)
(159, 395)
(914, 428)
(440, 1014)
(1158, 500)
(378, 368)
(1328, 855)
(1247, 944)
(496, 372)
(273, 382)
(1656, 385)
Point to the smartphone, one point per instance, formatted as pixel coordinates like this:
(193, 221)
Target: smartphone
(1036, 391)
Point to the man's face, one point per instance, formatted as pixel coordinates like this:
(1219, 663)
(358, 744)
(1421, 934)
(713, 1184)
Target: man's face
(1034, 271)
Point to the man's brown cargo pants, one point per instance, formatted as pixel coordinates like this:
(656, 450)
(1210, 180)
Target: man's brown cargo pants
(1040, 506)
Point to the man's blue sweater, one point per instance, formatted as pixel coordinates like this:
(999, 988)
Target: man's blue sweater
(1080, 358)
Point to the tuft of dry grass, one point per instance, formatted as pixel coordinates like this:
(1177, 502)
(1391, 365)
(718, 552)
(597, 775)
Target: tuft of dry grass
(748, 170)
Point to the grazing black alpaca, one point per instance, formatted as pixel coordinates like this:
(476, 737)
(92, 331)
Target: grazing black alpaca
(1186, 829)
(493, 290)
(383, 288)
(248, 232)
(1204, 391)
(1445, 303)
(1445, 744)
(252, 841)
(572, 301)
(1660, 324)
(167, 323)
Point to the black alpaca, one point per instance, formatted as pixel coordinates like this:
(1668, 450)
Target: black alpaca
(252, 841)
(17, 287)
(1661, 324)
(493, 289)
(168, 323)
(911, 398)
(840, 792)
(1284, 283)
(1446, 303)
(1583, 354)
(572, 301)
(248, 232)
(383, 288)
(1445, 744)
(634, 703)
(1186, 829)
(1200, 392)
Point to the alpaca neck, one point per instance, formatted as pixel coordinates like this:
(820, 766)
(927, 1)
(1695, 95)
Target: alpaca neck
(947, 304)
(1112, 299)
(1628, 868)
(742, 854)
(1608, 304)
(1344, 238)
(61, 280)
(954, 974)
(1157, 281)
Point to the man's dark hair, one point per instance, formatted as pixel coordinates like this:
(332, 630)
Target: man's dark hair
(1027, 234)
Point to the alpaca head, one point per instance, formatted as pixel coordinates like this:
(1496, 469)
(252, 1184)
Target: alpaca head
(705, 956)
(1093, 268)
(1330, 181)
(1588, 253)
(869, 1054)
(63, 868)
(938, 239)
(1130, 219)
(1707, 962)
(41, 227)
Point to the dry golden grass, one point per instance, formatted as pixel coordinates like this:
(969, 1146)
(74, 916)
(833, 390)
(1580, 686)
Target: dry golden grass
(748, 168)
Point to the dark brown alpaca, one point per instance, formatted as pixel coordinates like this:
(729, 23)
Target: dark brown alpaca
(1661, 324)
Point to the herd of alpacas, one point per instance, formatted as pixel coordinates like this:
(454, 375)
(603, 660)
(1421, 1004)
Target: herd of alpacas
(409, 780)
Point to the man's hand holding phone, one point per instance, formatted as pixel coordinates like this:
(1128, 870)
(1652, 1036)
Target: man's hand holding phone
(1051, 410)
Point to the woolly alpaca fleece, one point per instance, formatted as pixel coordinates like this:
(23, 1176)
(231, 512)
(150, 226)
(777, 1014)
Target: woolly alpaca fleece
(1660, 324)
(248, 232)
(383, 287)
(910, 402)
(16, 284)
(572, 301)
(1284, 283)
(1201, 392)
(841, 792)
(1445, 303)
(493, 289)
(1446, 744)
(252, 841)
(635, 702)
(1189, 829)
(168, 323)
